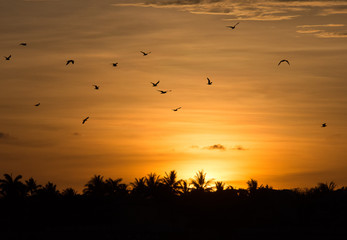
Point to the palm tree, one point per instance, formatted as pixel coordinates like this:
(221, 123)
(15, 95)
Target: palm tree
(184, 187)
(69, 193)
(12, 188)
(153, 183)
(139, 187)
(325, 187)
(200, 183)
(49, 191)
(115, 187)
(95, 186)
(219, 186)
(252, 186)
(171, 183)
(31, 186)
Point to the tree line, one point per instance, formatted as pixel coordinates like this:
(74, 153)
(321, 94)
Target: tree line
(151, 186)
(155, 207)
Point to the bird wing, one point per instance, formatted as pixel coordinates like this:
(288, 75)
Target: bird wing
(84, 120)
(157, 82)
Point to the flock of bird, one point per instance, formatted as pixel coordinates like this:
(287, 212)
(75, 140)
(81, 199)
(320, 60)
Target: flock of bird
(154, 84)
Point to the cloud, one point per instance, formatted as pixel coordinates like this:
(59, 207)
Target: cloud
(238, 148)
(322, 25)
(216, 147)
(4, 136)
(323, 30)
(324, 34)
(254, 10)
(7, 139)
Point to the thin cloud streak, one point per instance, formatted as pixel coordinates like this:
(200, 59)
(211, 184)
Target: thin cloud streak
(250, 10)
(320, 33)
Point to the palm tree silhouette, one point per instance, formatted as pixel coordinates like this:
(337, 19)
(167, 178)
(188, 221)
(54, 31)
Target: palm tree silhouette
(200, 183)
(139, 187)
(69, 193)
(12, 188)
(115, 187)
(325, 187)
(184, 187)
(252, 186)
(31, 186)
(153, 183)
(49, 191)
(171, 183)
(95, 187)
(219, 186)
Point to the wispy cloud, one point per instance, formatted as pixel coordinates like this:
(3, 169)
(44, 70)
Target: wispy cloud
(238, 148)
(256, 10)
(4, 136)
(321, 25)
(323, 30)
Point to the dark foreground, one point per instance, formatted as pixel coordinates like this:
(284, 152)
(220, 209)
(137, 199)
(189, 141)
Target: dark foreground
(266, 214)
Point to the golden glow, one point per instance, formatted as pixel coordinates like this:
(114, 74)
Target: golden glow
(257, 120)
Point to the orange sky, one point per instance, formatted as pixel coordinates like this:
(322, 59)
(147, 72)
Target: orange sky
(257, 120)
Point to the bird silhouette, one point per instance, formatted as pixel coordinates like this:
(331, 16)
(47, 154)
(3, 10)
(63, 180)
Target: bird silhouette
(84, 120)
(155, 84)
(175, 109)
(23, 44)
(7, 58)
(209, 81)
(163, 92)
(324, 124)
(96, 87)
(38, 104)
(70, 61)
(284, 60)
(115, 64)
(145, 53)
(233, 27)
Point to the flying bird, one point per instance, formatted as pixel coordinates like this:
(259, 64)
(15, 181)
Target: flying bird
(163, 92)
(7, 58)
(324, 124)
(209, 81)
(23, 44)
(175, 109)
(155, 84)
(115, 64)
(70, 61)
(284, 60)
(145, 53)
(84, 120)
(96, 87)
(233, 27)
(38, 104)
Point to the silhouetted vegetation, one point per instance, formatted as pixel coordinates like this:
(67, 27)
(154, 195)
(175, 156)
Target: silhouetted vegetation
(155, 207)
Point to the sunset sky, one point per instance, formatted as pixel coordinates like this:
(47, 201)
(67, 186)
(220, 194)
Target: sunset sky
(257, 120)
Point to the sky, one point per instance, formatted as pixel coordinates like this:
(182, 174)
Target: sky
(257, 120)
